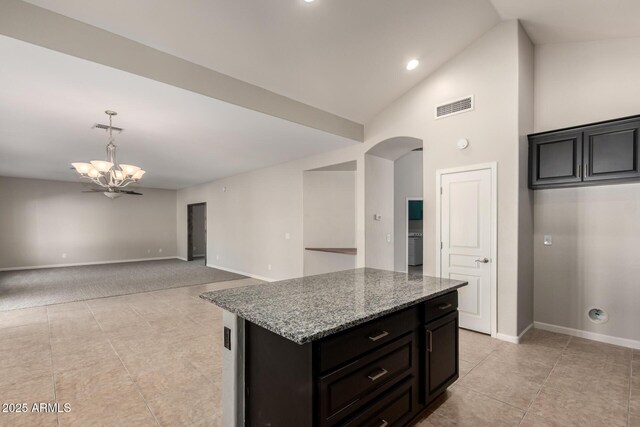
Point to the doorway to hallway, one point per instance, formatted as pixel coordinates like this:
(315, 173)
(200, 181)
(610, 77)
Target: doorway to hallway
(197, 232)
(413, 219)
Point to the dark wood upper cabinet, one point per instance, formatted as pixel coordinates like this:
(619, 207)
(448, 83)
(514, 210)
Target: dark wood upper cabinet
(598, 153)
(611, 152)
(556, 158)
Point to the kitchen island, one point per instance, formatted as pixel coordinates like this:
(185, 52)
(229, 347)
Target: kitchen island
(356, 347)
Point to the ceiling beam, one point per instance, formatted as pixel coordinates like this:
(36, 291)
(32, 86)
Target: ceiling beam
(32, 24)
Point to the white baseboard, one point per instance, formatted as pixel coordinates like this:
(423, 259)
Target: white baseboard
(182, 258)
(625, 342)
(511, 338)
(244, 273)
(78, 264)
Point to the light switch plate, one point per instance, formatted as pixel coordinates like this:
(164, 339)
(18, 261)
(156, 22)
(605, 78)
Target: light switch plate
(548, 240)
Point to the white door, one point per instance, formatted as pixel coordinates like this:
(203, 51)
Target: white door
(465, 229)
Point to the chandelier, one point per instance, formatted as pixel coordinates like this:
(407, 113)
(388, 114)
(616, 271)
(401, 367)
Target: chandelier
(109, 175)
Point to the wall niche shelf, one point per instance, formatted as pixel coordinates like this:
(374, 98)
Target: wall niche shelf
(344, 251)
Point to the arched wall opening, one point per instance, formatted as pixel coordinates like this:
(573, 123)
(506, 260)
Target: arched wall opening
(393, 177)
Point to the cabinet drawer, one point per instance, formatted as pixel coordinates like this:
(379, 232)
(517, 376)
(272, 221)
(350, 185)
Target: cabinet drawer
(344, 347)
(395, 408)
(344, 391)
(438, 307)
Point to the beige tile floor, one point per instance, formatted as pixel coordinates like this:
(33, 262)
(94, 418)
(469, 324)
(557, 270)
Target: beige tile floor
(154, 359)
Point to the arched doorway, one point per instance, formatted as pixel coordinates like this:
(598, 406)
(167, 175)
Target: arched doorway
(393, 177)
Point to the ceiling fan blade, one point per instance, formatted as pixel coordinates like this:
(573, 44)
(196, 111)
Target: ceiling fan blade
(131, 192)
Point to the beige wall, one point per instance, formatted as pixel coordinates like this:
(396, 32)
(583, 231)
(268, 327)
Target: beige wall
(329, 211)
(489, 70)
(249, 215)
(593, 261)
(578, 83)
(595, 230)
(42, 220)
(379, 201)
(407, 182)
(525, 195)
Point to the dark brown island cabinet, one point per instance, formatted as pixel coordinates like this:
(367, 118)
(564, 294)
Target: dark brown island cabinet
(381, 373)
(594, 154)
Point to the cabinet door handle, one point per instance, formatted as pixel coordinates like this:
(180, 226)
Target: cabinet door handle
(430, 340)
(382, 334)
(383, 423)
(381, 373)
(585, 172)
(444, 306)
(580, 171)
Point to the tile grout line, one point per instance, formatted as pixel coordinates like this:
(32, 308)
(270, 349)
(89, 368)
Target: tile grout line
(185, 359)
(146, 404)
(53, 375)
(487, 395)
(526, 412)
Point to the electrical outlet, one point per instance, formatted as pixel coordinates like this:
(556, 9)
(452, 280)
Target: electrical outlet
(388, 237)
(64, 255)
(148, 251)
(287, 236)
(548, 240)
(269, 267)
(160, 250)
(217, 257)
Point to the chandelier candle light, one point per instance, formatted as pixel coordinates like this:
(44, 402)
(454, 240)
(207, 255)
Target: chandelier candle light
(108, 174)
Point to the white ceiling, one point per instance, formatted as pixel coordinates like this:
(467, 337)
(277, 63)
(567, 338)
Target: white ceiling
(49, 101)
(556, 21)
(343, 56)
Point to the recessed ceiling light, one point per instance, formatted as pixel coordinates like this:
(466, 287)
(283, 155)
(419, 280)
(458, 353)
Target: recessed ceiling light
(309, 1)
(413, 64)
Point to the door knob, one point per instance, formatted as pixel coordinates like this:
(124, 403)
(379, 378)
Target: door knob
(483, 260)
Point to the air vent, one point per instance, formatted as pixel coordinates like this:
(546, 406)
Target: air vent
(454, 107)
(106, 127)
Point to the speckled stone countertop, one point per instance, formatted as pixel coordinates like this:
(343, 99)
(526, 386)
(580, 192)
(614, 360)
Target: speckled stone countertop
(313, 307)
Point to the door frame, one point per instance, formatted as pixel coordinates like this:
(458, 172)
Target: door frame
(406, 232)
(190, 231)
(493, 166)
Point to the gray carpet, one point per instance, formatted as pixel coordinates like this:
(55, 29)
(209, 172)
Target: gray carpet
(31, 288)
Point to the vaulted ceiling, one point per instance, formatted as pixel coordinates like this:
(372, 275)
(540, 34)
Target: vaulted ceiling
(558, 21)
(344, 56)
(343, 61)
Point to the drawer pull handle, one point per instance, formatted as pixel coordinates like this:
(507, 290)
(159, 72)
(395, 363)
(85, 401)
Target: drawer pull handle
(444, 306)
(378, 375)
(384, 423)
(379, 336)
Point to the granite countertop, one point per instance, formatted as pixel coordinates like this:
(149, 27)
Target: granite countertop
(313, 307)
